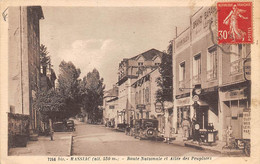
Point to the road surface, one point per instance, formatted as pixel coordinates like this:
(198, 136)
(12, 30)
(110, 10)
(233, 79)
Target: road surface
(97, 140)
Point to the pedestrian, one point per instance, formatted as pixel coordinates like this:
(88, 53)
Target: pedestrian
(51, 129)
(186, 128)
(167, 131)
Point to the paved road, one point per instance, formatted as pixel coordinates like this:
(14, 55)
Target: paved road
(97, 140)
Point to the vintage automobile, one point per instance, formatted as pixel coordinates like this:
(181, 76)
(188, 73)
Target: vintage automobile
(146, 129)
(59, 127)
(70, 125)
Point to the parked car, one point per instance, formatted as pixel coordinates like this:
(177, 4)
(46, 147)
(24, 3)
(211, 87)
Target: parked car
(70, 126)
(146, 128)
(59, 127)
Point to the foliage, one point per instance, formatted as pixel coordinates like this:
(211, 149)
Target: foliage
(49, 103)
(165, 81)
(92, 89)
(45, 59)
(68, 87)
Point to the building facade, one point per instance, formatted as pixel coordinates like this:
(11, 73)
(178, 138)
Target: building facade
(110, 107)
(24, 59)
(129, 71)
(144, 104)
(216, 71)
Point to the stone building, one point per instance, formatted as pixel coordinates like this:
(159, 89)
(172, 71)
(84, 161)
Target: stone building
(24, 59)
(129, 70)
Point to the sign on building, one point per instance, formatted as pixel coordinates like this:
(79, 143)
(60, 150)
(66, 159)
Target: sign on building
(246, 124)
(201, 21)
(158, 107)
(182, 40)
(140, 106)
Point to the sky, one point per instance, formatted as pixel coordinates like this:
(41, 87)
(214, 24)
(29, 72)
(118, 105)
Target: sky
(100, 37)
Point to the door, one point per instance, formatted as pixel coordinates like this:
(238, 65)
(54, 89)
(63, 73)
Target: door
(202, 116)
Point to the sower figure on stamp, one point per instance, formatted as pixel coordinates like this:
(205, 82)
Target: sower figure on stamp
(232, 20)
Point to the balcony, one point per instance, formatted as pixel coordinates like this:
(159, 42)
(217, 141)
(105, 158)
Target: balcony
(211, 74)
(236, 66)
(196, 79)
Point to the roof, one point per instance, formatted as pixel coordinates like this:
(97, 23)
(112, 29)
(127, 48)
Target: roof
(148, 55)
(39, 11)
(112, 92)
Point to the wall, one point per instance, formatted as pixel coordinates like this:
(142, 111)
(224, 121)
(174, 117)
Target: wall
(18, 60)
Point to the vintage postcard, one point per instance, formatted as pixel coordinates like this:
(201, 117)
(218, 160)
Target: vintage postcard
(130, 81)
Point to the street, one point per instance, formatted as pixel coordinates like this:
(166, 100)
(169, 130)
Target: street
(97, 140)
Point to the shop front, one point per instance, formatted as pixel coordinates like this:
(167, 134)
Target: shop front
(182, 115)
(236, 109)
(205, 121)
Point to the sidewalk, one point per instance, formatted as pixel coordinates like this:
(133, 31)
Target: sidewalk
(215, 147)
(61, 146)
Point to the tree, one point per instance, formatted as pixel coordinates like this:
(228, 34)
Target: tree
(68, 88)
(45, 59)
(50, 104)
(164, 82)
(92, 91)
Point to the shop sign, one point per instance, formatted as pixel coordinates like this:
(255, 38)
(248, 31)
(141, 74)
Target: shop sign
(201, 21)
(158, 107)
(210, 137)
(235, 94)
(246, 124)
(195, 98)
(140, 106)
(182, 40)
(184, 101)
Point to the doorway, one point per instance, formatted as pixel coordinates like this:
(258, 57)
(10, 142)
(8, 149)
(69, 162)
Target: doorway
(202, 116)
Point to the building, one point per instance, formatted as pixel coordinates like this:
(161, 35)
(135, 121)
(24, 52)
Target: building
(110, 106)
(200, 64)
(144, 104)
(129, 70)
(24, 61)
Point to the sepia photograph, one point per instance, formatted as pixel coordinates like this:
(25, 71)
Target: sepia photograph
(129, 83)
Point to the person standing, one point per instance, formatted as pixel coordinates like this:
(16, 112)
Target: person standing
(51, 129)
(167, 131)
(186, 128)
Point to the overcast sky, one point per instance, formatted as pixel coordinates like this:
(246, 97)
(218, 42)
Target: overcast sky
(100, 37)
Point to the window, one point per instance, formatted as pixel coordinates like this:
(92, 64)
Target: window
(139, 97)
(111, 107)
(182, 71)
(143, 95)
(147, 98)
(147, 115)
(140, 63)
(196, 68)
(236, 58)
(212, 63)
(136, 98)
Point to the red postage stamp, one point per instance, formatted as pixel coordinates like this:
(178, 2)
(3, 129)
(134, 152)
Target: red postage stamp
(235, 22)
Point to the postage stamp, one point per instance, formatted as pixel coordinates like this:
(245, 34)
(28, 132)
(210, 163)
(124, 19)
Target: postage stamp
(234, 22)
